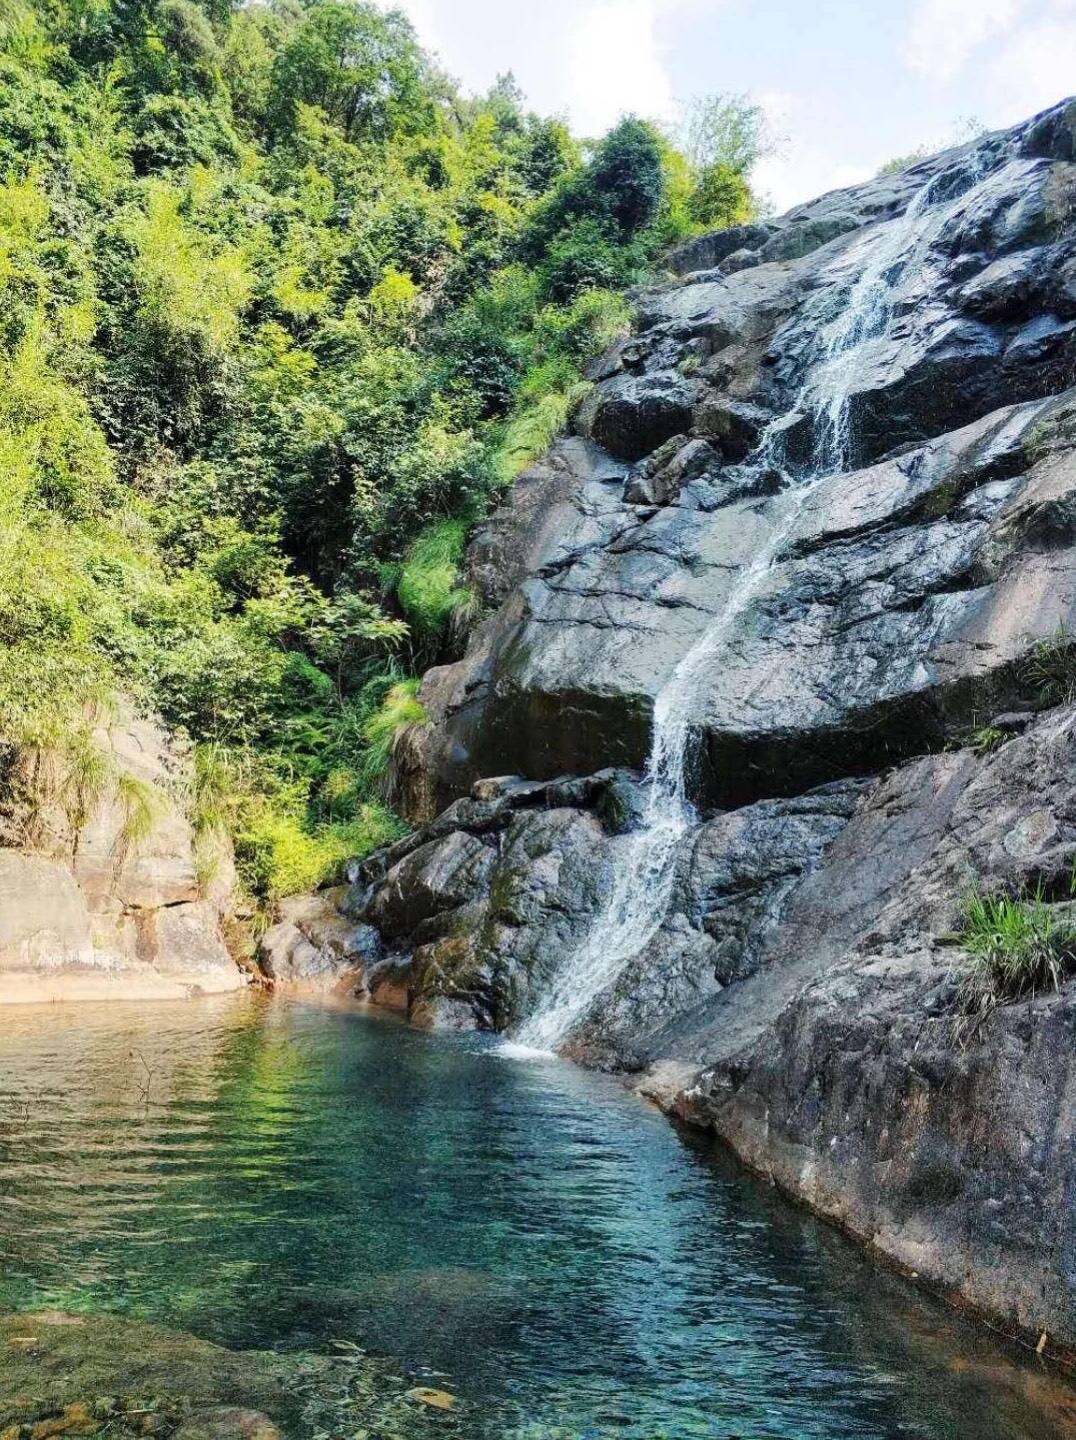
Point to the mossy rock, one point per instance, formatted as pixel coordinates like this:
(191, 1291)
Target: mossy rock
(78, 1375)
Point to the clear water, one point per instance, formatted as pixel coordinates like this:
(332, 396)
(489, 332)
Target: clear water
(269, 1174)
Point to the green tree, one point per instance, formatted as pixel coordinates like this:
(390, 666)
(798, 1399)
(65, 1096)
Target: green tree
(281, 311)
(361, 66)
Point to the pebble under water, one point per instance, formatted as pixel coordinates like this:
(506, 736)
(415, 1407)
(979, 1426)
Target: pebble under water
(271, 1174)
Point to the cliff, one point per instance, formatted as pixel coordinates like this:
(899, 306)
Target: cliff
(777, 666)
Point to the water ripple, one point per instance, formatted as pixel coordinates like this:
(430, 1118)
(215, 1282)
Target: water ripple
(276, 1175)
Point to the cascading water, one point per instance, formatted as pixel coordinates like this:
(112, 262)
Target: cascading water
(645, 861)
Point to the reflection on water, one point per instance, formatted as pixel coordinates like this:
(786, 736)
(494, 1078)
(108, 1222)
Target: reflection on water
(273, 1175)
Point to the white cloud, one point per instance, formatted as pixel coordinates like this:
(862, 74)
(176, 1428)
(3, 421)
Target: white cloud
(797, 170)
(804, 172)
(944, 34)
(591, 59)
(613, 62)
(1035, 68)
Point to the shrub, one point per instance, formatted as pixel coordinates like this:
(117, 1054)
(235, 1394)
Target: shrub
(189, 290)
(219, 685)
(721, 197)
(589, 325)
(428, 589)
(35, 118)
(480, 360)
(584, 257)
(69, 462)
(280, 848)
(1050, 669)
(172, 132)
(277, 855)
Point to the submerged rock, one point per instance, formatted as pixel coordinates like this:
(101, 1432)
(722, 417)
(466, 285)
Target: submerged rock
(97, 1375)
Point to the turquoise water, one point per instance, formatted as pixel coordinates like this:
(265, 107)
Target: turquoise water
(272, 1174)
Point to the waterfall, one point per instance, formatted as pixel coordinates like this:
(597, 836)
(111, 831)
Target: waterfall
(645, 862)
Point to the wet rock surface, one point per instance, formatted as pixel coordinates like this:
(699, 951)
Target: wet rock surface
(839, 1068)
(908, 586)
(883, 719)
(477, 909)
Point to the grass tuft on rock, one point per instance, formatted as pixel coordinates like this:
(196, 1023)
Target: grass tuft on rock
(988, 738)
(1018, 945)
(1050, 669)
(428, 590)
(384, 729)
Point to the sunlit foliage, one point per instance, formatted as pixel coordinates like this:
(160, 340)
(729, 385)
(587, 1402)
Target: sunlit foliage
(281, 312)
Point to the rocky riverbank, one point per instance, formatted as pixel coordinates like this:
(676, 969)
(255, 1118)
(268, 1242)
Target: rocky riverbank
(106, 892)
(881, 716)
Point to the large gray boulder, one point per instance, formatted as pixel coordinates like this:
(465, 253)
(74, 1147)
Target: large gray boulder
(480, 908)
(316, 945)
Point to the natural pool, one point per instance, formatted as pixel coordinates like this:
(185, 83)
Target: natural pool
(274, 1175)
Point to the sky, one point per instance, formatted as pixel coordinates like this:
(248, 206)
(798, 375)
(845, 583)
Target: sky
(846, 84)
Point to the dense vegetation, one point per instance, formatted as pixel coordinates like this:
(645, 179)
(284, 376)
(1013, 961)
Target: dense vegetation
(280, 311)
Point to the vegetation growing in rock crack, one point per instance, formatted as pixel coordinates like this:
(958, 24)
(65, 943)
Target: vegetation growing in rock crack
(985, 739)
(1018, 945)
(1050, 669)
(281, 310)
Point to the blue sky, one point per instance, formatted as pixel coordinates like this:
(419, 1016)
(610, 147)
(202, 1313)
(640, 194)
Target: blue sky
(847, 83)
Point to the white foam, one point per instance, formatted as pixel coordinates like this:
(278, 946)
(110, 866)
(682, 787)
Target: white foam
(513, 1050)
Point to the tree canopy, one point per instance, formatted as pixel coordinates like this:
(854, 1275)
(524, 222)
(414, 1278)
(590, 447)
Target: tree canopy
(281, 313)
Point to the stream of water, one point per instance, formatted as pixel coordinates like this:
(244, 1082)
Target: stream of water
(531, 1238)
(644, 864)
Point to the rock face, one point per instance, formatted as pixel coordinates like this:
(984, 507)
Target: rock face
(316, 946)
(839, 1070)
(478, 907)
(905, 588)
(100, 891)
(817, 519)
